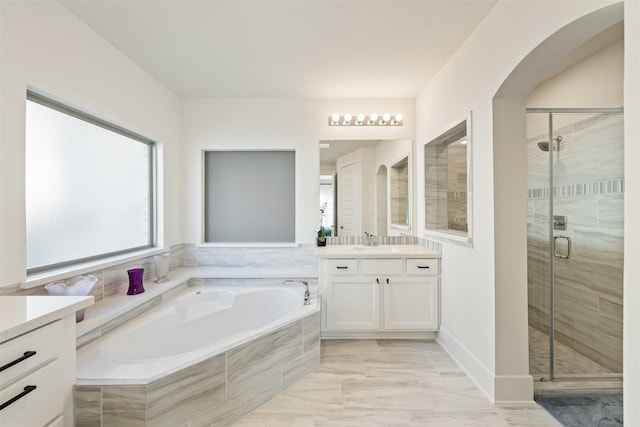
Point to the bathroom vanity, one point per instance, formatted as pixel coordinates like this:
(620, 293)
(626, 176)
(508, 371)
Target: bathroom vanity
(379, 291)
(37, 359)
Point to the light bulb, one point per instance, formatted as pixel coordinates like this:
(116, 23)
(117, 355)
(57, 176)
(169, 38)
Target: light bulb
(386, 117)
(359, 118)
(399, 117)
(373, 118)
(347, 119)
(335, 117)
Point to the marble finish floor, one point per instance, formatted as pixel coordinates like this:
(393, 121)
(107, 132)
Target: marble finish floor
(390, 383)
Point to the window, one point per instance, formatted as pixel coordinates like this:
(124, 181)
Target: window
(447, 184)
(89, 187)
(250, 196)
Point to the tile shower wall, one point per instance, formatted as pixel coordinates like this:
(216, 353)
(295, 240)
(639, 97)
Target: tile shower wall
(588, 189)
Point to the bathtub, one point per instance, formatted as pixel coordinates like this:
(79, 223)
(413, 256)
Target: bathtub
(197, 323)
(204, 357)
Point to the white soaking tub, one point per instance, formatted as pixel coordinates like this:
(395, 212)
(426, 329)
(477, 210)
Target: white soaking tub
(195, 324)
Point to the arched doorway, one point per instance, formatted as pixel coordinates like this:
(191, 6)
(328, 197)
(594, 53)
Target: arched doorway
(510, 178)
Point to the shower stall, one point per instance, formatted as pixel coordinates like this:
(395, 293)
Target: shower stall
(575, 243)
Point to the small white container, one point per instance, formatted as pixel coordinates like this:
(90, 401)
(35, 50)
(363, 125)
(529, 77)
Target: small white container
(161, 262)
(76, 286)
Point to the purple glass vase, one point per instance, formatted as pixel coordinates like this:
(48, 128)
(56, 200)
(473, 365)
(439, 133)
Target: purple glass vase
(135, 281)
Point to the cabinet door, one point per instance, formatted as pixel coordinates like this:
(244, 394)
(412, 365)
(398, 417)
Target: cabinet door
(353, 304)
(411, 303)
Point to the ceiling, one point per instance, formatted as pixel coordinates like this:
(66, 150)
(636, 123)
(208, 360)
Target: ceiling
(290, 48)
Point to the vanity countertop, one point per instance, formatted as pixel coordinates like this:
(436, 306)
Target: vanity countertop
(21, 314)
(381, 251)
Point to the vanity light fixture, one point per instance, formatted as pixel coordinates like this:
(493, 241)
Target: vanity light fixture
(362, 119)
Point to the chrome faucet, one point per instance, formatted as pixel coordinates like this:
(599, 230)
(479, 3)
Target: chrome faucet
(370, 239)
(307, 295)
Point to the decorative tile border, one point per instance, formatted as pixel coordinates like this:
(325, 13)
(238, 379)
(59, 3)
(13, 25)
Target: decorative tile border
(382, 240)
(587, 189)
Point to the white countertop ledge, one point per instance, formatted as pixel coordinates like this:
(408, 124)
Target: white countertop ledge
(21, 314)
(381, 251)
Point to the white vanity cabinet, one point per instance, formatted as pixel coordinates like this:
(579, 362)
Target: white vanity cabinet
(37, 360)
(379, 297)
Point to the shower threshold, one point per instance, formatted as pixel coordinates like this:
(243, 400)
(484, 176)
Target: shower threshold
(596, 383)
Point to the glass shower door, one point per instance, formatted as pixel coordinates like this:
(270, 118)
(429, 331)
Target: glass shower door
(581, 300)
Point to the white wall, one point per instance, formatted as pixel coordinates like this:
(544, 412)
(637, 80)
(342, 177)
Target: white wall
(484, 316)
(297, 124)
(48, 48)
(631, 213)
(594, 82)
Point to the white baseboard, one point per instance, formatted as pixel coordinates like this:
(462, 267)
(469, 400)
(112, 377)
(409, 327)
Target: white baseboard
(422, 335)
(498, 388)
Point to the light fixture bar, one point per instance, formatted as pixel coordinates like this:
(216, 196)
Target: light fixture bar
(362, 119)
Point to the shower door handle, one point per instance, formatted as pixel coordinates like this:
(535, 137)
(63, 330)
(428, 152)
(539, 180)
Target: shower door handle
(555, 248)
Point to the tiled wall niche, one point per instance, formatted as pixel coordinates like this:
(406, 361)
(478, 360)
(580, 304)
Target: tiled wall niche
(589, 190)
(445, 180)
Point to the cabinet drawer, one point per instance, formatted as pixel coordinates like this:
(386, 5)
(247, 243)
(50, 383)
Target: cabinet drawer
(342, 266)
(21, 354)
(422, 266)
(39, 406)
(381, 266)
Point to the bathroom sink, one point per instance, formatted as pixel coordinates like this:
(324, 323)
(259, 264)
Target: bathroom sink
(377, 249)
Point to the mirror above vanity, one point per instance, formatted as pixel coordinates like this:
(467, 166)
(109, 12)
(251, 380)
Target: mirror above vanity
(365, 186)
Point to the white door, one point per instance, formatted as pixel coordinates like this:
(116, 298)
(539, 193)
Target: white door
(353, 304)
(411, 303)
(348, 201)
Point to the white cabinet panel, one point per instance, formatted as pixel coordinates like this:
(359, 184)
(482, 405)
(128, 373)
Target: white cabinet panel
(411, 304)
(38, 367)
(342, 266)
(352, 304)
(23, 353)
(422, 266)
(36, 407)
(371, 297)
(381, 266)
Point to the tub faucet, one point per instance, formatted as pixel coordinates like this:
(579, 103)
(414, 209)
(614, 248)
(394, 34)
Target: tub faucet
(307, 295)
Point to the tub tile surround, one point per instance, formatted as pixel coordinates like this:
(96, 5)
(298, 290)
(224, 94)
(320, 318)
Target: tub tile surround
(216, 391)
